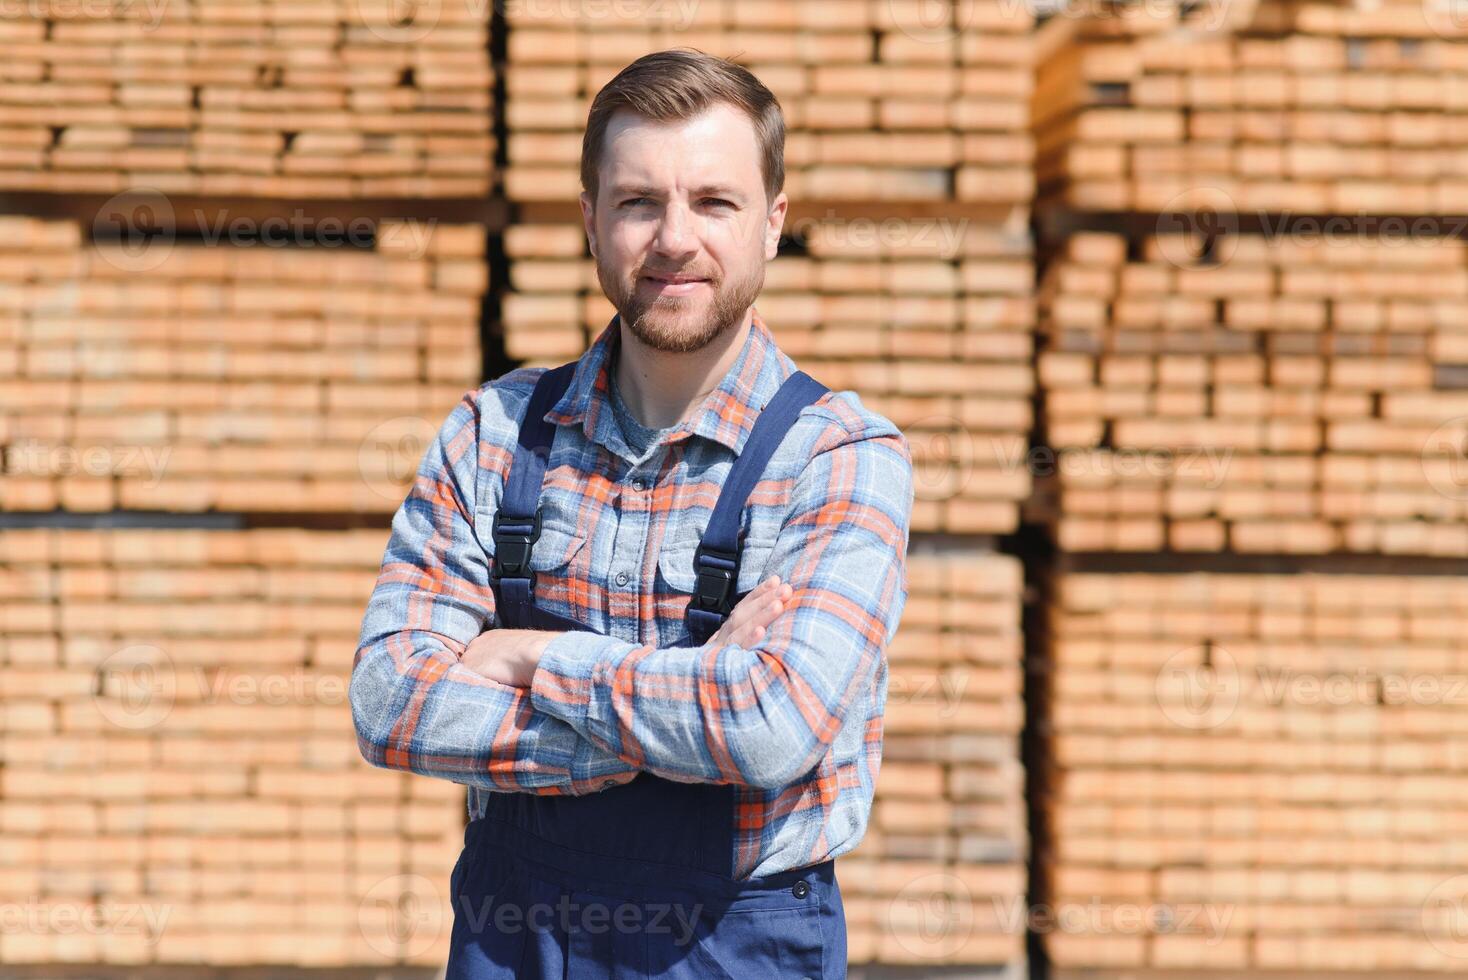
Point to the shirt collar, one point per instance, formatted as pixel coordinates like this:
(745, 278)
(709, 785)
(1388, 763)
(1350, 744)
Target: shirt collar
(727, 413)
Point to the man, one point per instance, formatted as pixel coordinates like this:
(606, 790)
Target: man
(639, 604)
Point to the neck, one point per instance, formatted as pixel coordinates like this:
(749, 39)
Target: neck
(662, 388)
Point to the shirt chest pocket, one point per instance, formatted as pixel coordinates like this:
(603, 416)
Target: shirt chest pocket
(676, 572)
(557, 554)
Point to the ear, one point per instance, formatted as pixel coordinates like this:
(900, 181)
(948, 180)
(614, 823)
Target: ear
(588, 218)
(774, 223)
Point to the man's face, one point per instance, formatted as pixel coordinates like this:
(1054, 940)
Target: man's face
(681, 230)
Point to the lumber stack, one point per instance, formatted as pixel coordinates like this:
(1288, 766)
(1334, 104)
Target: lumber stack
(929, 319)
(1313, 108)
(326, 99)
(134, 660)
(194, 377)
(884, 100)
(1282, 394)
(945, 850)
(179, 762)
(1260, 773)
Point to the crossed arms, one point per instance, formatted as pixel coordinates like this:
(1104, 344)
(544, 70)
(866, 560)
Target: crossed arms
(601, 709)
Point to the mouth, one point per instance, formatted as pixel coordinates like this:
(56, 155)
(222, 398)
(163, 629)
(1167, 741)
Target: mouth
(673, 285)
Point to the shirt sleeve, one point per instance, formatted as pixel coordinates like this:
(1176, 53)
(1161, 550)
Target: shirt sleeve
(761, 715)
(415, 707)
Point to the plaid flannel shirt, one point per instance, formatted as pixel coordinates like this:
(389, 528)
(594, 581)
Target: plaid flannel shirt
(794, 722)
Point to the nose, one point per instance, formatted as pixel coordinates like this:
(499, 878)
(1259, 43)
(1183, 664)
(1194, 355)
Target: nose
(674, 235)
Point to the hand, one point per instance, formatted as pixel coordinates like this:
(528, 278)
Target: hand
(747, 621)
(507, 656)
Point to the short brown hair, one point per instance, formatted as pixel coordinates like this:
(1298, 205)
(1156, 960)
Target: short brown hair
(678, 84)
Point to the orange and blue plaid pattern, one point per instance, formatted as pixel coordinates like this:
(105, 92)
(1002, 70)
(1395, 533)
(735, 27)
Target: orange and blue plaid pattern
(794, 722)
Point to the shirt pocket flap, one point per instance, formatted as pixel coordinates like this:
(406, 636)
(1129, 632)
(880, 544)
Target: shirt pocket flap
(676, 571)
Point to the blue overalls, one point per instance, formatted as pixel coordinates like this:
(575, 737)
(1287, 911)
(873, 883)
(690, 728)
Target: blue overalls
(634, 881)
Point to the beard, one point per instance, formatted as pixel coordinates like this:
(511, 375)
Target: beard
(674, 324)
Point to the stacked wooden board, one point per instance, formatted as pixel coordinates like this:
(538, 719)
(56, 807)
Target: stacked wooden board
(943, 860)
(884, 100)
(1354, 109)
(180, 780)
(1249, 344)
(133, 660)
(318, 99)
(929, 319)
(186, 376)
(1286, 393)
(1261, 772)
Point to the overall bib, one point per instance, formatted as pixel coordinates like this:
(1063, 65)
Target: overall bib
(634, 881)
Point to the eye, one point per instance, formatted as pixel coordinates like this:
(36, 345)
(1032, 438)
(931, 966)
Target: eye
(718, 202)
(633, 201)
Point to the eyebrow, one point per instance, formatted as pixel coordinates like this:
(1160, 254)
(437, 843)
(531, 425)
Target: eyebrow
(643, 190)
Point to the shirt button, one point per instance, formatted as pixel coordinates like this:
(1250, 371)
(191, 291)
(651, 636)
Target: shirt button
(608, 783)
(800, 889)
(622, 578)
(639, 484)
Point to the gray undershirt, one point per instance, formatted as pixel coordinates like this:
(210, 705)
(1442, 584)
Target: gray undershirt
(640, 439)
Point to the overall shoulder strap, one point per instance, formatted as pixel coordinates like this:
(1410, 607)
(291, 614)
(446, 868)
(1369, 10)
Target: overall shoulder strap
(716, 562)
(517, 519)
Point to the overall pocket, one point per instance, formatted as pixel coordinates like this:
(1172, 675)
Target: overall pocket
(771, 944)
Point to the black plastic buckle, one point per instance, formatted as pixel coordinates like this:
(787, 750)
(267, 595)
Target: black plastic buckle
(716, 586)
(512, 548)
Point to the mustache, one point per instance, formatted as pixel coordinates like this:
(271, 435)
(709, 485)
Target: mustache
(684, 273)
